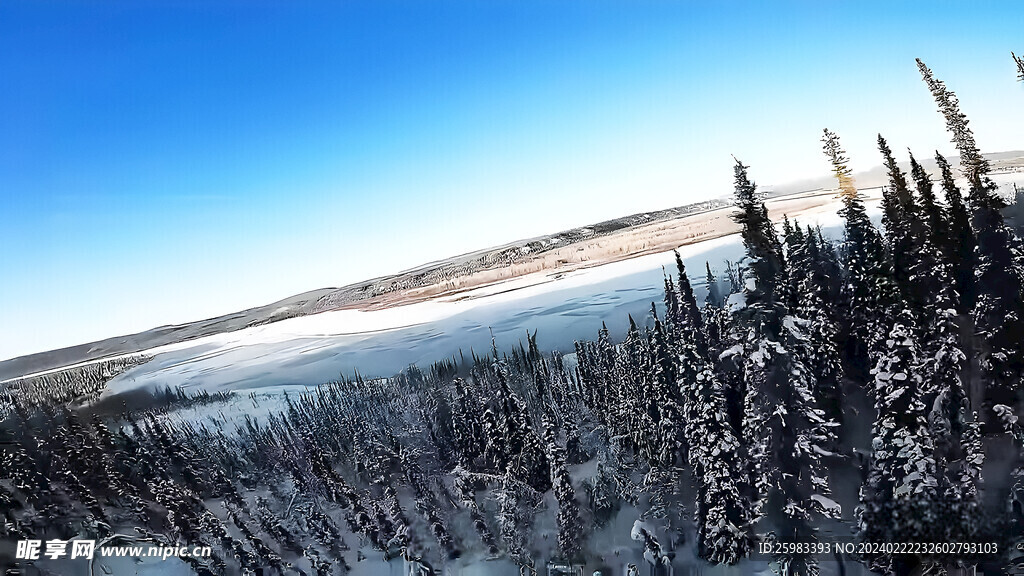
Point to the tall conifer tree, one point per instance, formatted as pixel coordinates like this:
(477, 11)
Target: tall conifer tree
(975, 166)
(931, 212)
(902, 227)
(715, 455)
(783, 428)
(869, 291)
(714, 296)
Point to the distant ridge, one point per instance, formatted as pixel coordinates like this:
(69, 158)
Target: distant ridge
(875, 177)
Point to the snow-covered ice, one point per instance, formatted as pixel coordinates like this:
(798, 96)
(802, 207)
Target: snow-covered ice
(315, 349)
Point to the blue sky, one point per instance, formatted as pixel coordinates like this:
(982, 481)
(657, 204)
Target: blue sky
(165, 162)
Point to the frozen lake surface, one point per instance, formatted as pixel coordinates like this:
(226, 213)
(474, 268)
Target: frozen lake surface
(315, 349)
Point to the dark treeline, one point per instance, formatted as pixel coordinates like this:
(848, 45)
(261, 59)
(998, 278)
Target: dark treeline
(79, 384)
(870, 384)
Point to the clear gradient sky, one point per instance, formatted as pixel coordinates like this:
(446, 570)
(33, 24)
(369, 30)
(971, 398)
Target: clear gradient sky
(166, 162)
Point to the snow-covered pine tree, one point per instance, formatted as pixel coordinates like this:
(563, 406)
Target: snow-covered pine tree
(975, 166)
(930, 210)
(723, 512)
(944, 360)
(797, 263)
(467, 432)
(998, 305)
(944, 392)
(931, 281)
(602, 490)
(807, 297)
(831, 272)
(514, 525)
(783, 428)
(725, 351)
(672, 311)
(899, 496)
(765, 264)
(632, 373)
(494, 450)
(589, 381)
(965, 490)
(1012, 523)
(595, 366)
(916, 256)
(714, 296)
(869, 290)
(668, 401)
(714, 318)
(691, 322)
(900, 220)
(734, 276)
(1020, 66)
(516, 439)
(955, 434)
(816, 305)
(612, 388)
(570, 526)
